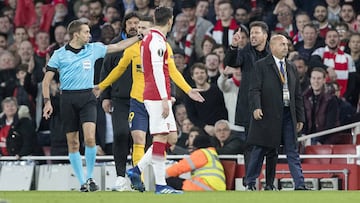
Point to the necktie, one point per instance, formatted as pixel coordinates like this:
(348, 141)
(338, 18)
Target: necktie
(282, 71)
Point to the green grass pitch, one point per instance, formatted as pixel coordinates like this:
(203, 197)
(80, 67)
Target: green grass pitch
(187, 197)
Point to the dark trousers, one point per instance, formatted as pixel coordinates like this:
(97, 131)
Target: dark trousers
(122, 138)
(108, 149)
(255, 163)
(271, 161)
(290, 149)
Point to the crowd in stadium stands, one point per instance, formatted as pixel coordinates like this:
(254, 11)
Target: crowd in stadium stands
(324, 44)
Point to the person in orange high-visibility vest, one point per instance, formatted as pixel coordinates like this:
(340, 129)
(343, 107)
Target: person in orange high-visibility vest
(207, 173)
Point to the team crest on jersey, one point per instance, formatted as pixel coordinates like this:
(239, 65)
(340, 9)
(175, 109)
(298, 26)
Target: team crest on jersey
(160, 52)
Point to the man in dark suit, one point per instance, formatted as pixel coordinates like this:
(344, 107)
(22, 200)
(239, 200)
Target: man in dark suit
(245, 58)
(116, 100)
(278, 113)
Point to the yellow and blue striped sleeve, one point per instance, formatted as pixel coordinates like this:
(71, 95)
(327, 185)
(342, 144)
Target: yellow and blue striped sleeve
(117, 72)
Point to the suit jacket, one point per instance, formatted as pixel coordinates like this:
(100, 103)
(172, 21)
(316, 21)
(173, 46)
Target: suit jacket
(244, 58)
(266, 94)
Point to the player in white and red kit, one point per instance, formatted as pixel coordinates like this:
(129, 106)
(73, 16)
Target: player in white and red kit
(157, 100)
(157, 83)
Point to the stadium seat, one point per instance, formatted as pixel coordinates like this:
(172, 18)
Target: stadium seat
(357, 139)
(339, 138)
(318, 149)
(342, 149)
(229, 170)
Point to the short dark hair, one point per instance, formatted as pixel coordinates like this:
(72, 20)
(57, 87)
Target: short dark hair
(147, 19)
(245, 7)
(6, 8)
(311, 25)
(202, 141)
(208, 38)
(162, 15)
(114, 6)
(4, 35)
(297, 58)
(198, 1)
(348, 4)
(116, 20)
(127, 17)
(22, 67)
(342, 24)
(197, 65)
(196, 129)
(318, 69)
(75, 26)
(302, 13)
(354, 34)
(96, 1)
(37, 1)
(4, 16)
(212, 53)
(300, 58)
(188, 4)
(322, 4)
(180, 51)
(19, 27)
(226, 2)
(331, 30)
(260, 24)
(217, 46)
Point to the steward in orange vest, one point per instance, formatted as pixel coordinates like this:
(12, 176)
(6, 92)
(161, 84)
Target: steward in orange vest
(207, 173)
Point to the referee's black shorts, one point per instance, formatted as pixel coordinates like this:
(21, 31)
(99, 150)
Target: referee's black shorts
(76, 108)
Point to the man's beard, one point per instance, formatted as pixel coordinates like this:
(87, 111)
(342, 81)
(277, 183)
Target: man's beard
(131, 33)
(321, 19)
(95, 16)
(333, 48)
(256, 45)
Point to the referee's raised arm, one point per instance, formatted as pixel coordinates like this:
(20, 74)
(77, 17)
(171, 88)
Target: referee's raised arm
(123, 44)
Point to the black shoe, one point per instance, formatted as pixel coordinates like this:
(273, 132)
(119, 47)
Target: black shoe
(302, 188)
(84, 188)
(250, 188)
(270, 188)
(91, 185)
